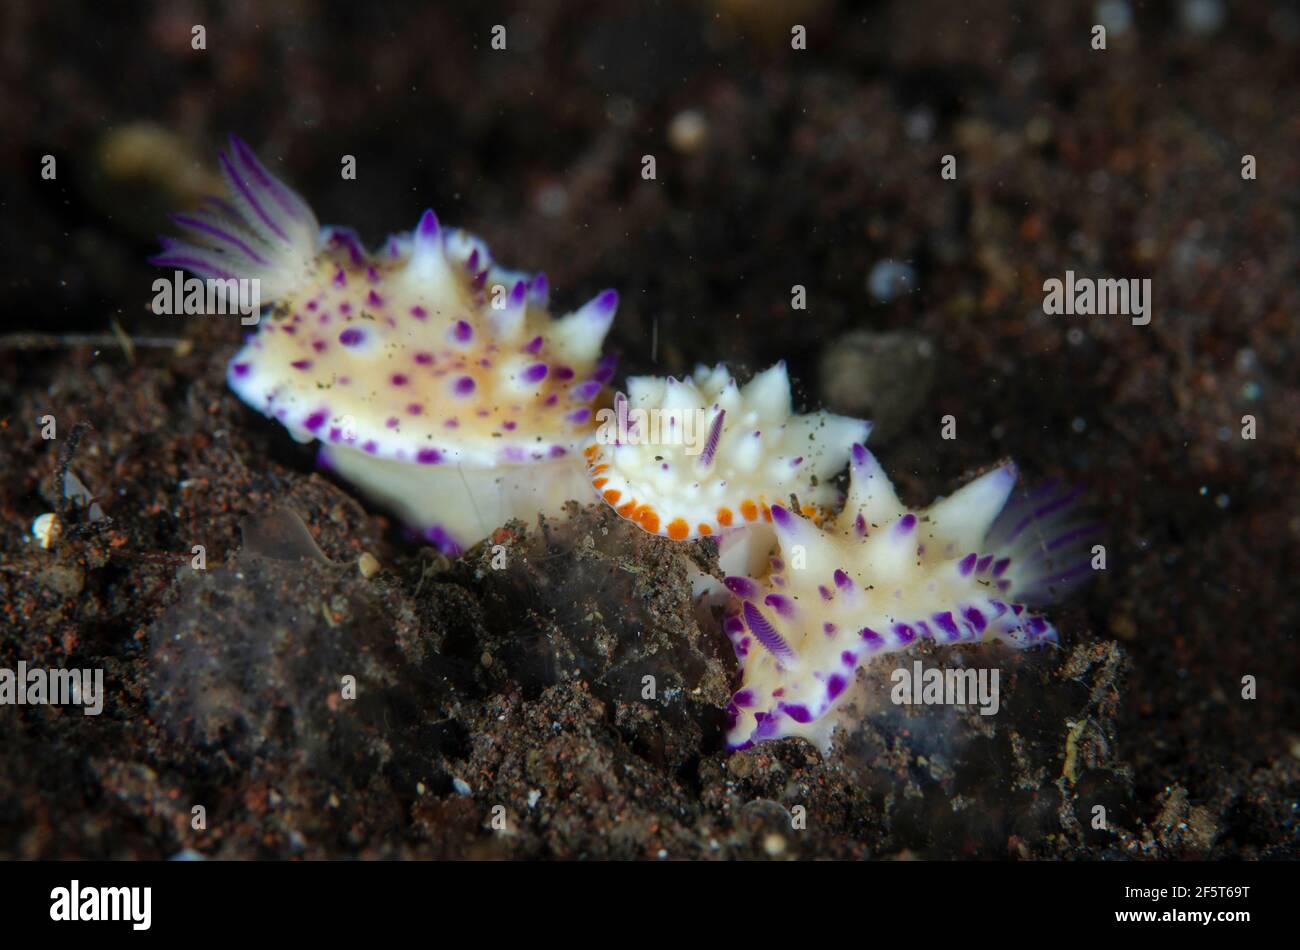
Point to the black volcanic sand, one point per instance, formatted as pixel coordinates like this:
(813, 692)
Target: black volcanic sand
(500, 713)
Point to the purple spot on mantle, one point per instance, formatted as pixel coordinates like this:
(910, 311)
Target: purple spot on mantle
(834, 686)
(428, 456)
(464, 386)
(351, 336)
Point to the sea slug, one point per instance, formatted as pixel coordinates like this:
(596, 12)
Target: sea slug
(702, 456)
(436, 381)
(878, 578)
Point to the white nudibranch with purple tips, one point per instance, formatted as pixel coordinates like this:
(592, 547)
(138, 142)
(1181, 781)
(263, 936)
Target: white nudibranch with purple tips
(878, 578)
(702, 456)
(436, 381)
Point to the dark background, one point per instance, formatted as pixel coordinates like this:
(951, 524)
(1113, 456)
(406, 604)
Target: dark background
(815, 166)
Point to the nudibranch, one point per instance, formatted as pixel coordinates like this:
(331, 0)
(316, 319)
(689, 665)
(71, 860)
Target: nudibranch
(703, 456)
(436, 381)
(877, 578)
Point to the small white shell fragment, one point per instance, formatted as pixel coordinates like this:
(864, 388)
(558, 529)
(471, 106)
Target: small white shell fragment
(46, 529)
(368, 565)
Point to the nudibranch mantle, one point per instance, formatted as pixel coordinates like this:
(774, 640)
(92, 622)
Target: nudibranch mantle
(436, 381)
(703, 456)
(877, 579)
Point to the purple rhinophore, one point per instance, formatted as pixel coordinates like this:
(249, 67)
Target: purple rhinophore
(766, 633)
(711, 443)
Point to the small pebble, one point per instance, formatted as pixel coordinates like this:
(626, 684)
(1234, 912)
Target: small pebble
(688, 131)
(368, 565)
(46, 529)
